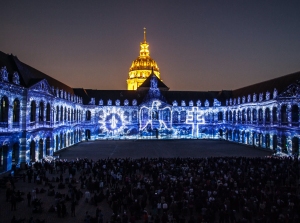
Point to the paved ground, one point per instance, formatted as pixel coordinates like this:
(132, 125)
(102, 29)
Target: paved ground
(159, 148)
(103, 149)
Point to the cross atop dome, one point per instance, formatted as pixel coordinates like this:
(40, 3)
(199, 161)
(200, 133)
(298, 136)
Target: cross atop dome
(144, 51)
(145, 35)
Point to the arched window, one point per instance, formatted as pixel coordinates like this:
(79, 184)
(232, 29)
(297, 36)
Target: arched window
(254, 114)
(267, 141)
(234, 117)
(295, 115)
(134, 116)
(239, 116)
(69, 118)
(32, 151)
(206, 117)
(4, 112)
(248, 115)
(48, 145)
(88, 115)
(230, 116)
(57, 113)
(16, 112)
(182, 116)
(61, 141)
(283, 112)
(126, 116)
(48, 112)
(56, 143)
(33, 112)
(283, 144)
(260, 116)
(295, 146)
(72, 115)
(15, 153)
(154, 115)
(267, 115)
(65, 139)
(226, 116)
(41, 149)
(175, 117)
(41, 112)
(61, 113)
(243, 116)
(68, 139)
(220, 116)
(274, 115)
(88, 134)
(275, 142)
(229, 134)
(65, 115)
(243, 137)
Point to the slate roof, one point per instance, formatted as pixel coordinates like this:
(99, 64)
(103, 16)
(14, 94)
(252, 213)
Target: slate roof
(169, 96)
(280, 83)
(196, 95)
(29, 75)
(146, 84)
(113, 95)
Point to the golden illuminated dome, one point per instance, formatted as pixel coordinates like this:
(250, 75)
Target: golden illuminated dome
(142, 67)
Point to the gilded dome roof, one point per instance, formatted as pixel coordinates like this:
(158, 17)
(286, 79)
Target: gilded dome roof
(144, 61)
(142, 67)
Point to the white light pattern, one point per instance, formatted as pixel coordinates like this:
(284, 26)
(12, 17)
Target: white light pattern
(112, 120)
(195, 117)
(155, 107)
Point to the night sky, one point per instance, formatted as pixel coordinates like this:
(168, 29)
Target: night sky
(198, 45)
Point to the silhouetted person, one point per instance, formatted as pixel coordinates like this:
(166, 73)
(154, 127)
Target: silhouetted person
(29, 199)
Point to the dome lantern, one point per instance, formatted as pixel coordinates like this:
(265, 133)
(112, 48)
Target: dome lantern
(141, 67)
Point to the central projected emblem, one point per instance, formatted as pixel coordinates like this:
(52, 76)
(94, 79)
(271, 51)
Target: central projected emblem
(112, 120)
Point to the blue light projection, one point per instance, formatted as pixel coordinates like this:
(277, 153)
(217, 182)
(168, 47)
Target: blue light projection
(156, 116)
(39, 120)
(113, 121)
(195, 117)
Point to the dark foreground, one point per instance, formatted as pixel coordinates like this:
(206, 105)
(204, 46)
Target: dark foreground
(229, 186)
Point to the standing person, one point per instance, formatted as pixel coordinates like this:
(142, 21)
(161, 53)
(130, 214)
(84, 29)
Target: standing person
(58, 210)
(13, 220)
(13, 201)
(158, 208)
(73, 209)
(100, 216)
(33, 194)
(29, 199)
(87, 196)
(63, 210)
(29, 175)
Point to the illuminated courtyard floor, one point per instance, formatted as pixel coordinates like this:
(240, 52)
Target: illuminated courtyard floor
(159, 148)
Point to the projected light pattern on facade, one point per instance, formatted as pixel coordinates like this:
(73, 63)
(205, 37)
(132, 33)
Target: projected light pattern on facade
(113, 121)
(155, 116)
(39, 119)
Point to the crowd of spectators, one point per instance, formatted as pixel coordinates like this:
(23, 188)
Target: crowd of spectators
(175, 190)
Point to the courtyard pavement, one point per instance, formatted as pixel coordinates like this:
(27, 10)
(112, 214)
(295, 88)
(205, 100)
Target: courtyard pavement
(117, 149)
(159, 148)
